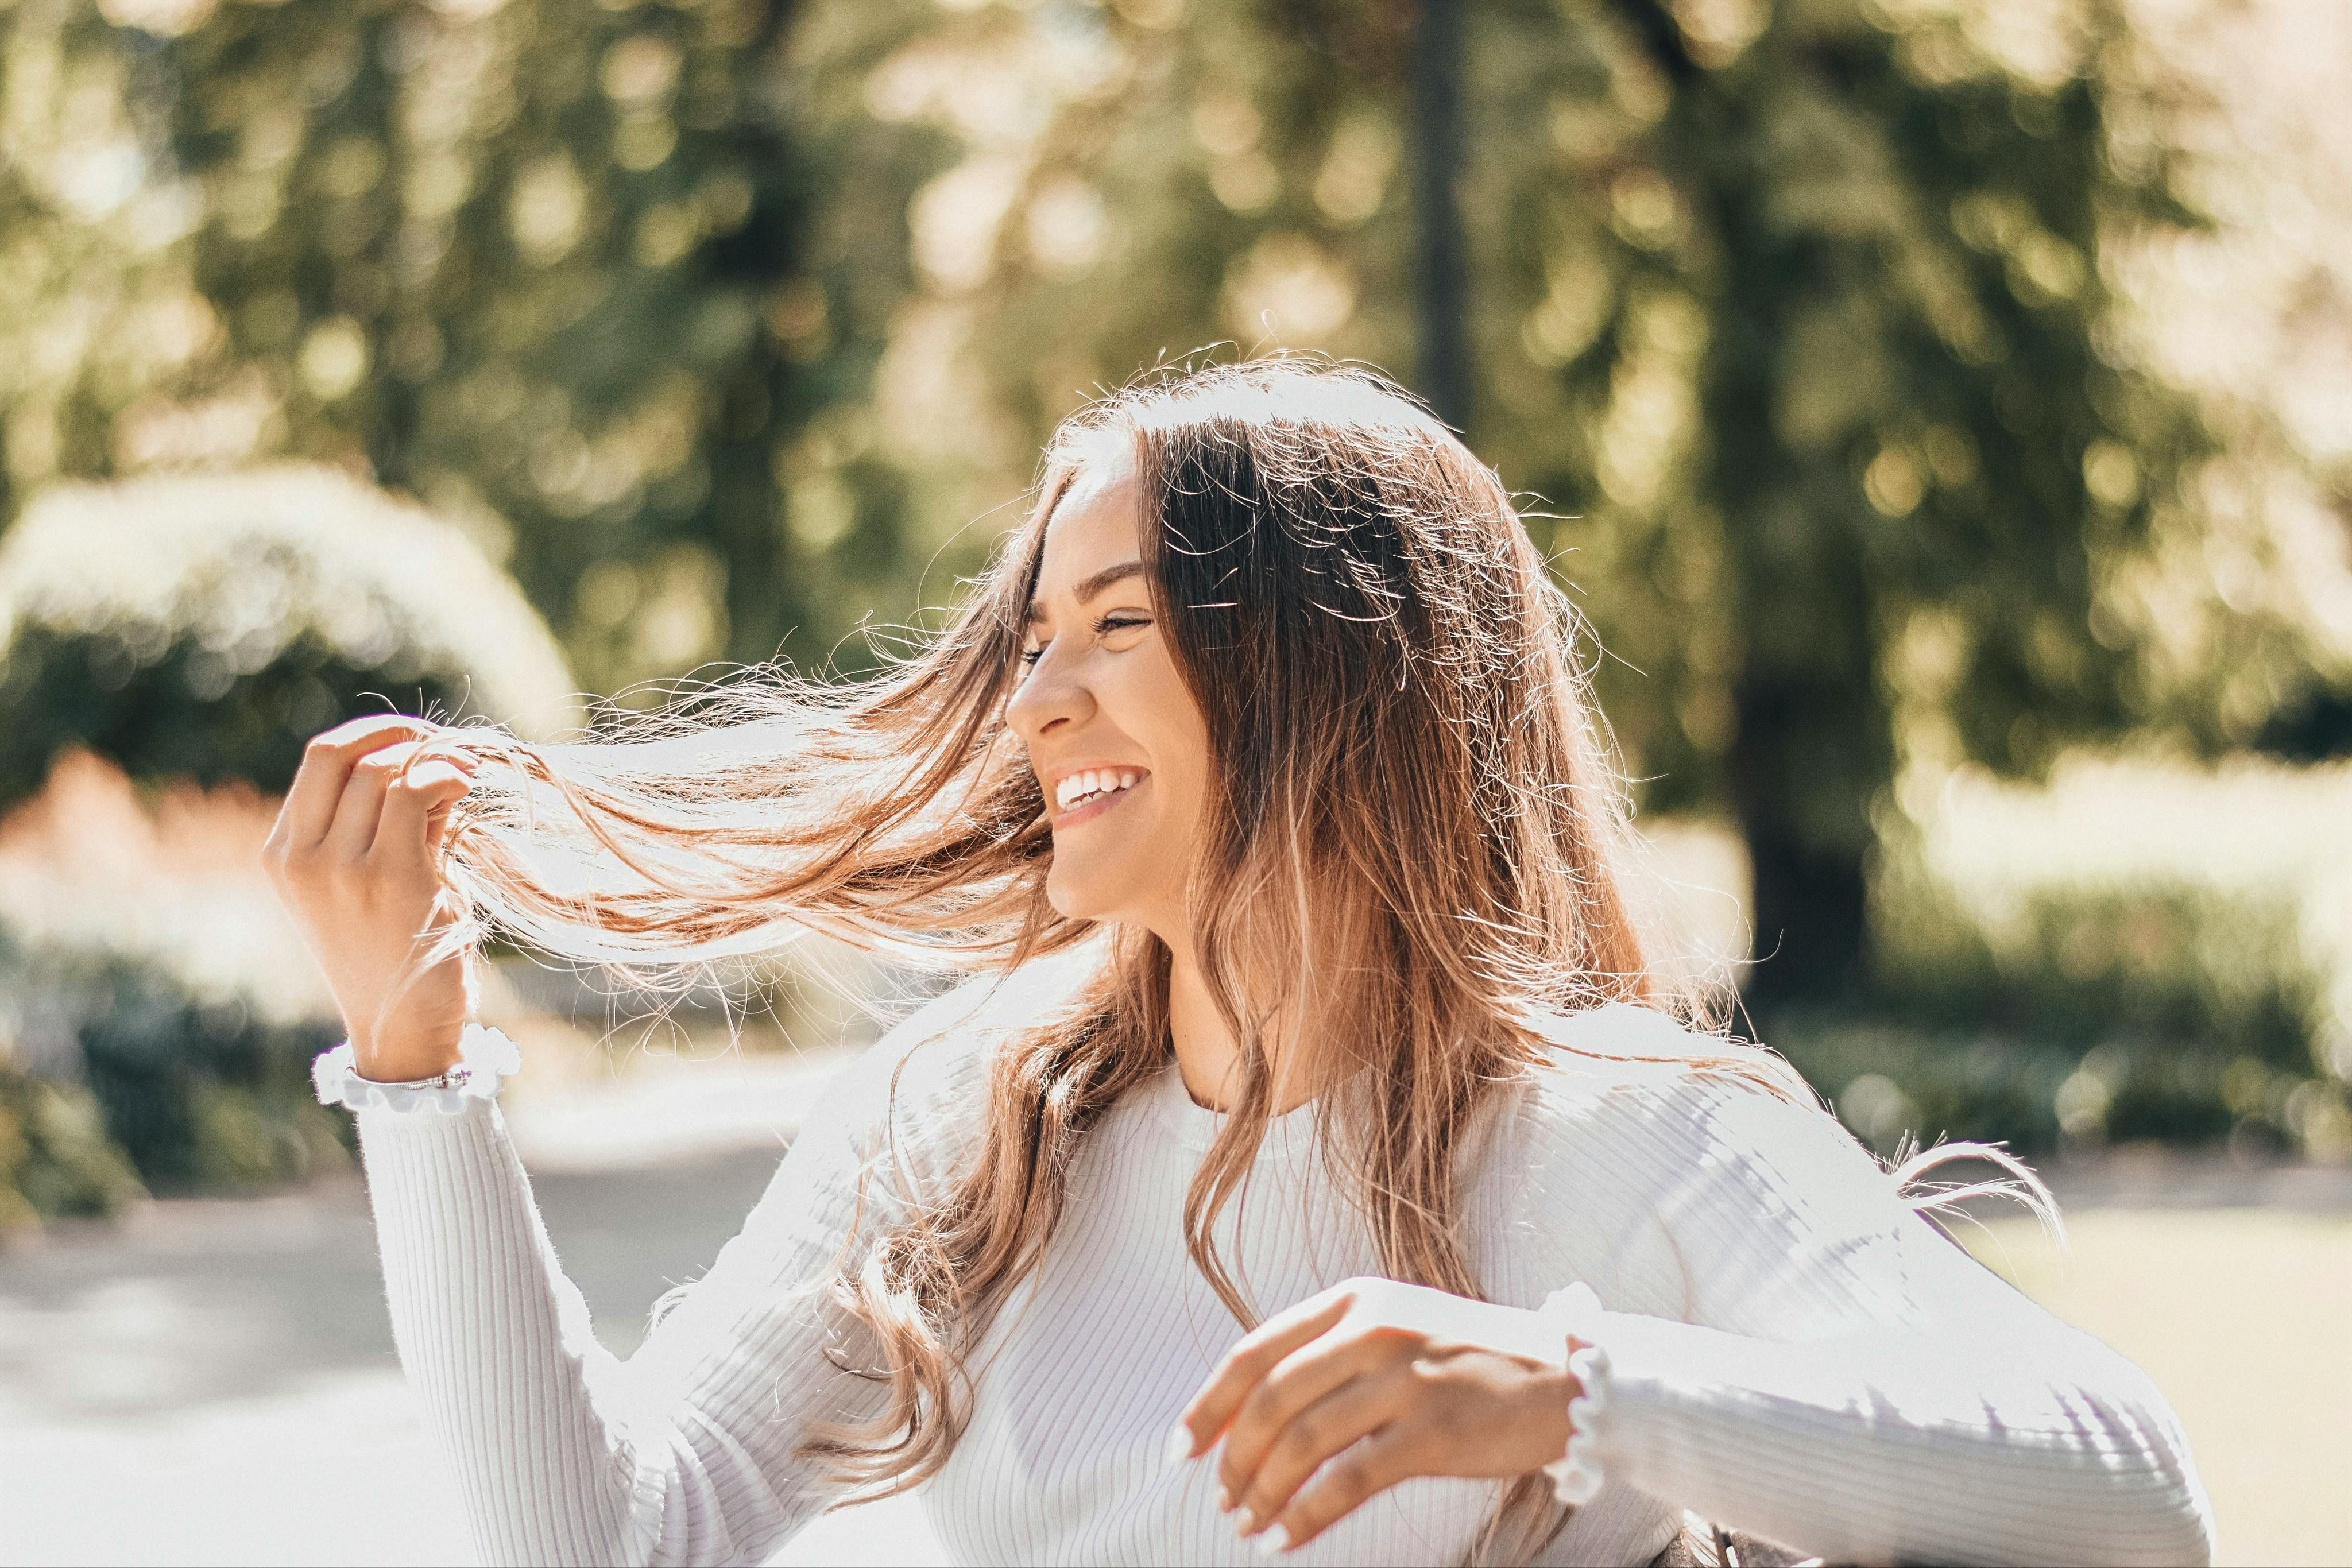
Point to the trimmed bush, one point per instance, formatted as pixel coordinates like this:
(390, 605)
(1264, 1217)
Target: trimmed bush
(204, 626)
(56, 1159)
(158, 1013)
(201, 1096)
(118, 1081)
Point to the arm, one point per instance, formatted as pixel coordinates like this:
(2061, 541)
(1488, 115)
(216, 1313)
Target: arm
(563, 1453)
(1795, 1355)
(684, 1453)
(1799, 1354)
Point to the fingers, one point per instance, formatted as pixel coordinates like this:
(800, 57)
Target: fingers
(1254, 1355)
(1356, 1477)
(360, 811)
(416, 809)
(1284, 1397)
(327, 763)
(1329, 1426)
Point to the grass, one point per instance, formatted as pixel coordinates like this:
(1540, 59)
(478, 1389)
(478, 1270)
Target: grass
(2238, 1316)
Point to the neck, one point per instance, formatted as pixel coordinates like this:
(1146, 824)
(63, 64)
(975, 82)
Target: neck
(1210, 1057)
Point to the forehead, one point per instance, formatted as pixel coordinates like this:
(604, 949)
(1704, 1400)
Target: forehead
(1096, 524)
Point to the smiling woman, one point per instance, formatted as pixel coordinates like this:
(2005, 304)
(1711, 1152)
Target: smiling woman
(1314, 1104)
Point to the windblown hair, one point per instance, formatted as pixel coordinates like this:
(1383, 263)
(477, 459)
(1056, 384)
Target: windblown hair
(1411, 804)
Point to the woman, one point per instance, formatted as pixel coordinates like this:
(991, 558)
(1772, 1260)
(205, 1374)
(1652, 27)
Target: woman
(1315, 1121)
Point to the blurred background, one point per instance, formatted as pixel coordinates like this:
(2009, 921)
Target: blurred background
(1936, 406)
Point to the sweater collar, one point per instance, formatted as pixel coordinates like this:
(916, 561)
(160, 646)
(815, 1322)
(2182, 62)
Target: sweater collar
(1195, 1126)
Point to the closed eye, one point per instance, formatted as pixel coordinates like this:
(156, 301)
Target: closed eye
(1103, 627)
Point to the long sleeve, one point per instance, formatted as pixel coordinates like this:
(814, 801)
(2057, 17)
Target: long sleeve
(563, 1453)
(1782, 1345)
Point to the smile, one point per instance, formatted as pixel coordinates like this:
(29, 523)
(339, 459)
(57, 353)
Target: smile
(1091, 791)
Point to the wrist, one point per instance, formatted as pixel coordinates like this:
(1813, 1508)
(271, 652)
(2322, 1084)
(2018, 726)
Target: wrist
(485, 1059)
(453, 1077)
(397, 1069)
(1532, 1425)
(404, 1061)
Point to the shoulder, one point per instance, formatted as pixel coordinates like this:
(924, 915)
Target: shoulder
(1675, 1124)
(1694, 1178)
(1628, 1060)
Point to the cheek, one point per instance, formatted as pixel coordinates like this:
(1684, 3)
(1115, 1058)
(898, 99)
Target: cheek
(1189, 754)
(1180, 742)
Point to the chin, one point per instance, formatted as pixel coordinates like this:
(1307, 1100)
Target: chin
(1073, 896)
(1090, 893)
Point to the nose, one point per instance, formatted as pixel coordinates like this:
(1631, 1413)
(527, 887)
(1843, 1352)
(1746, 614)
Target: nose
(1051, 697)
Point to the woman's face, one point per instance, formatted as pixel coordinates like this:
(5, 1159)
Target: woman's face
(1114, 736)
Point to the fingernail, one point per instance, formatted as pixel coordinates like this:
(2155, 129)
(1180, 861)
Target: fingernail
(1180, 1446)
(1274, 1540)
(1225, 1499)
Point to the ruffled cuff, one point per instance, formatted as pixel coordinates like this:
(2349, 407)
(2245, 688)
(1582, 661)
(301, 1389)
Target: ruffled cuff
(490, 1057)
(1575, 1313)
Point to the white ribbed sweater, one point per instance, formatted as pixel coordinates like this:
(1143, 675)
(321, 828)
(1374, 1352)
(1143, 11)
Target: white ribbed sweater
(1785, 1348)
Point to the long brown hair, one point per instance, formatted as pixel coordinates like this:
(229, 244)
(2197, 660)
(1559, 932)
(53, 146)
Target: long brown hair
(1410, 802)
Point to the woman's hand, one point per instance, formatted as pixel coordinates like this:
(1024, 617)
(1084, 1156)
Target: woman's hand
(352, 854)
(1386, 1381)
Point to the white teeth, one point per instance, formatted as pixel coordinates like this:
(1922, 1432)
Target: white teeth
(1094, 781)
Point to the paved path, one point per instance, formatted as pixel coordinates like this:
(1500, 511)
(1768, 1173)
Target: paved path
(215, 1382)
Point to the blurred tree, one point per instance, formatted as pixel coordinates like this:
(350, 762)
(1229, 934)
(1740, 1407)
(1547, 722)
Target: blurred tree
(1922, 449)
(542, 261)
(558, 266)
(101, 319)
(1442, 364)
(1798, 310)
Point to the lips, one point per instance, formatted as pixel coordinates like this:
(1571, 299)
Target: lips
(1085, 792)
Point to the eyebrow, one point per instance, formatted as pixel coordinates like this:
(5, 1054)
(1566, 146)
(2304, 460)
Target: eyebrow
(1092, 588)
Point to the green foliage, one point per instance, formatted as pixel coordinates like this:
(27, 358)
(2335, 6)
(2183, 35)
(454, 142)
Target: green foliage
(103, 325)
(2220, 974)
(158, 1014)
(56, 1159)
(204, 626)
(1799, 316)
(558, 267)
(553, 259)
(2166, 1010)
(199, 1095)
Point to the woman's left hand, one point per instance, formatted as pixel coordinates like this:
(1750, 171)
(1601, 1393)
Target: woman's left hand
(1386, 1381)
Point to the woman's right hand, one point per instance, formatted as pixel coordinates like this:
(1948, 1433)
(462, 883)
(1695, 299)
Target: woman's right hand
(352, 855)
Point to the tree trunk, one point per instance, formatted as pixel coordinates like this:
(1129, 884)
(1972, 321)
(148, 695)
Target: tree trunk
(1439, 144)
(764, 603)
(1809, 833)
(747, 525)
